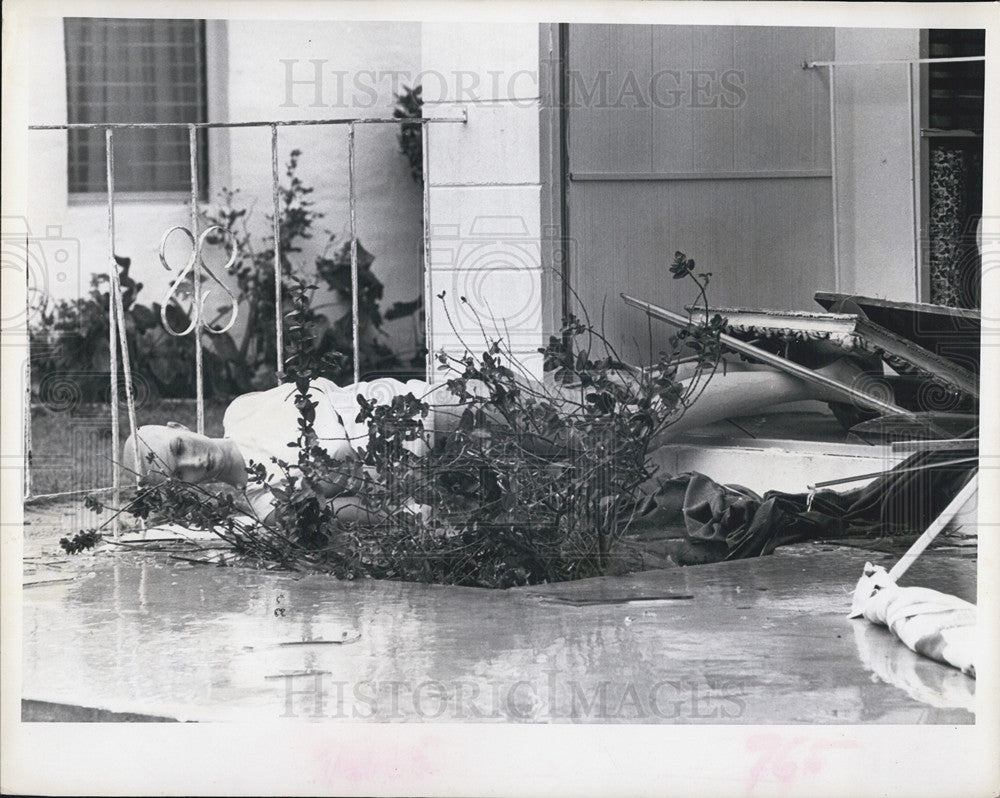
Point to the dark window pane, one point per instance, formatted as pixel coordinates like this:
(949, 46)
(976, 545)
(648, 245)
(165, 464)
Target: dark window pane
(135, 70)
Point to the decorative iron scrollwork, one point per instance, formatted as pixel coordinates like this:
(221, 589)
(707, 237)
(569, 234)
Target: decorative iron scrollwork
(196, 257)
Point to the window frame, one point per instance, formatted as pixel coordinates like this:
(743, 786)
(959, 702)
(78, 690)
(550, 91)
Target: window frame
(206, 32)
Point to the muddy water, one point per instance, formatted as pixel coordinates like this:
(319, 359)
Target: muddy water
(756, 641)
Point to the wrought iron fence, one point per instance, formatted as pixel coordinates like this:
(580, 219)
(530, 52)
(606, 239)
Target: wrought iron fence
(197, 269)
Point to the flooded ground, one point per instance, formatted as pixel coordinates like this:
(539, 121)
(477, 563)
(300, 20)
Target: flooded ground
(754, 641)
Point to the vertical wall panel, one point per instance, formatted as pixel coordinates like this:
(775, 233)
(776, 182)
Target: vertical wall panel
(609, 116)
(784, 123)
(760, 239)
(703, 174)
(673, 134)
(877, 232)
(711, 118)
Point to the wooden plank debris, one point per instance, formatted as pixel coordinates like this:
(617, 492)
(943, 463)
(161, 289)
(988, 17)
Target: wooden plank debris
(951, 333)
(852, 333)
(787, 366)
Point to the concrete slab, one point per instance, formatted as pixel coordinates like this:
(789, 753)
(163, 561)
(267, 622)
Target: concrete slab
(755, 641)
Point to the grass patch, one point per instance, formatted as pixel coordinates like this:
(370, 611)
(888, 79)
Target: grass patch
(71, 449)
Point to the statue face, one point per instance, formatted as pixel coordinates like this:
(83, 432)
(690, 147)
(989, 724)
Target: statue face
(178, 452)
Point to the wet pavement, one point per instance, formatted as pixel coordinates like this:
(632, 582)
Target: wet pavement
(754, 641)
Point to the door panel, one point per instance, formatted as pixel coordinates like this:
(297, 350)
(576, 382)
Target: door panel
(710, 140)
(752, 242)
(614, 134)
(785, 122)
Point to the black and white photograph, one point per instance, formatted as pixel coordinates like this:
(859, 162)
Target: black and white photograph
(456, 398)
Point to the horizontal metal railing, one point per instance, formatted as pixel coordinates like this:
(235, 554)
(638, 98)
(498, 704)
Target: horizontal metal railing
(116, 317)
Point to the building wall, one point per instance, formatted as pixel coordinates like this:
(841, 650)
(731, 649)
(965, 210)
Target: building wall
(488, 179)
(876, 231)
(716, 142)
(710, 140)
(485, 190)
(248, 80)
(745, 190)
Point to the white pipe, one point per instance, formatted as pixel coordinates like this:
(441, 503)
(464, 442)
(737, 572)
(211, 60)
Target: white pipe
(117, 307)
(814, 64)
(428, 282)
(113, 338)
(199, 379)
(833, 181)
(949, 512)
(276, 230)
(913, 186)
(367, 120)
(355, 282)
(26, 484)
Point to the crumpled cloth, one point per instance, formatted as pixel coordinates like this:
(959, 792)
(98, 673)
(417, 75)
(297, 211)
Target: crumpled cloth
(730, 522)
(937, 625)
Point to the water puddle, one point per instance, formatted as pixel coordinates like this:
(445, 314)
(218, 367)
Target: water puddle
(597, 602)
(754, 641)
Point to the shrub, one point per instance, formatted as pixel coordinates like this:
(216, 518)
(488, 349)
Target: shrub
(409, 105)
(255, 279)
(536, 482)
(70, 337)
(69, 340)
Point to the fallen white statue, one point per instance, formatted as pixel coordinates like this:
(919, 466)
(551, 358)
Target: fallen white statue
(259, 426)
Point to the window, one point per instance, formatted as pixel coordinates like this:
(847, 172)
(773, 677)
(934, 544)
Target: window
(135, 70)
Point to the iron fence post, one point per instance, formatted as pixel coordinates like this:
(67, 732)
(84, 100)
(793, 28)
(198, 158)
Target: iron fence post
(426, 245)
(113, 334)
(355, 308)
(199, 377)
(276, 228)
(116, 307)
(117, 335)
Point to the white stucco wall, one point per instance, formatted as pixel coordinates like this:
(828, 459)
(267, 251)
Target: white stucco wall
(486, 183)
(248, 81)
(485, 189)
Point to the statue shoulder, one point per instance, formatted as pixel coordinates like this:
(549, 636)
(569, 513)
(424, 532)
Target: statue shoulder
(256, 404)
(381, 390)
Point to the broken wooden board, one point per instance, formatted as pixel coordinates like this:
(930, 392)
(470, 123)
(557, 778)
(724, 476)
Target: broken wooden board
(892, 428)
(786, 366)
(951, 333)
(853, 333)
(948, 445)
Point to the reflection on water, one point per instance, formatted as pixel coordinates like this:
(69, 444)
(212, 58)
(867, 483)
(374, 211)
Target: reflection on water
(754, 644)
(925, 680)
